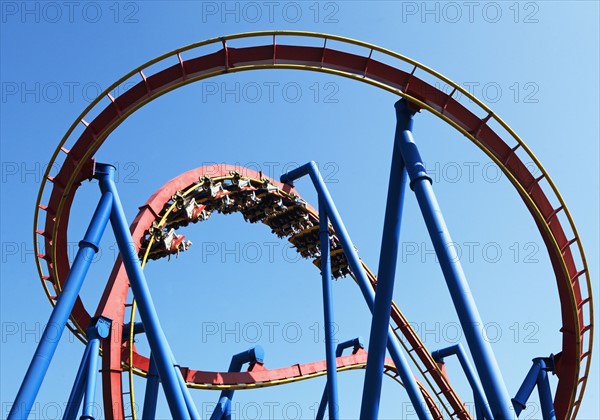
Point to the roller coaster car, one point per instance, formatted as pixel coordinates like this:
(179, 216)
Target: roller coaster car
(175, 243)
(339, 263)
(308, 242)
(238, 182)
(165, 244)
(188, 210)
(249, 199)
(268, 205)
(306, 245)
(213, 188)
(291, 221)
(196, 212)
(267, 187)
(226, 205)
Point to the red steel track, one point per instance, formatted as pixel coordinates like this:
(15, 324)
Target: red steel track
(538, 193)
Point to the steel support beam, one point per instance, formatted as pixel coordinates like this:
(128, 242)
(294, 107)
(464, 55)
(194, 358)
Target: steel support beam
(151, 393)
(222, 410)
(189, 402)
(78, 389)
(40, 362)
(156, 338)
(332, 388)
(481, 404)
(537, 376)
(355, 343)
(386, 275)
(358, 271)
(98, 329)
(463, 300)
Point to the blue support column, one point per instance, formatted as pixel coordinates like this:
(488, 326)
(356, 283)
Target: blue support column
(544, 391)
(90, 384)
(355, 343)
(154, 332)
(526, 388)
(189, 402)
(386, 274)
(358, 271)
(332, 389)
(151, 394)
(99, 328)
(223, 409)
(537, 376)
(481, 404)
(478, 411)
(36, 372)
(469, 317)
(78, 387)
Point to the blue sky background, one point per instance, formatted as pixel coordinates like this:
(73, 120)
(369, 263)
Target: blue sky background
(536, 64)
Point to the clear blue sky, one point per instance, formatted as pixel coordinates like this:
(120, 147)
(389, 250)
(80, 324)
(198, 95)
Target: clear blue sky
(535, 63)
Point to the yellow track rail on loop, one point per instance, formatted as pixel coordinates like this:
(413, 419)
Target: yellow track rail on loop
(78, 330)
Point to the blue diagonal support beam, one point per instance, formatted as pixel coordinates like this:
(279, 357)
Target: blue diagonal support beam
(464, 303)
(360, 275)
(169, 373)
(45, 350)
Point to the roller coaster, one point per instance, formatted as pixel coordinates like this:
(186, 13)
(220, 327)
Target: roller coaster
(318, 234)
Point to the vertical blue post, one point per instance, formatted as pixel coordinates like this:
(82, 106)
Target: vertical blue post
(90, 386)
(478, 408)
(385, 277)
(36, 372)
(537, 375)
(99, 328)
(356, 343)
(223, 409)
(189, 402)
(481, 404)
(332, 390)
(463, 300)
(78, 387)
(151, 394)
(544, 391)
(526, 388)
(156, 337)
(400, 362)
